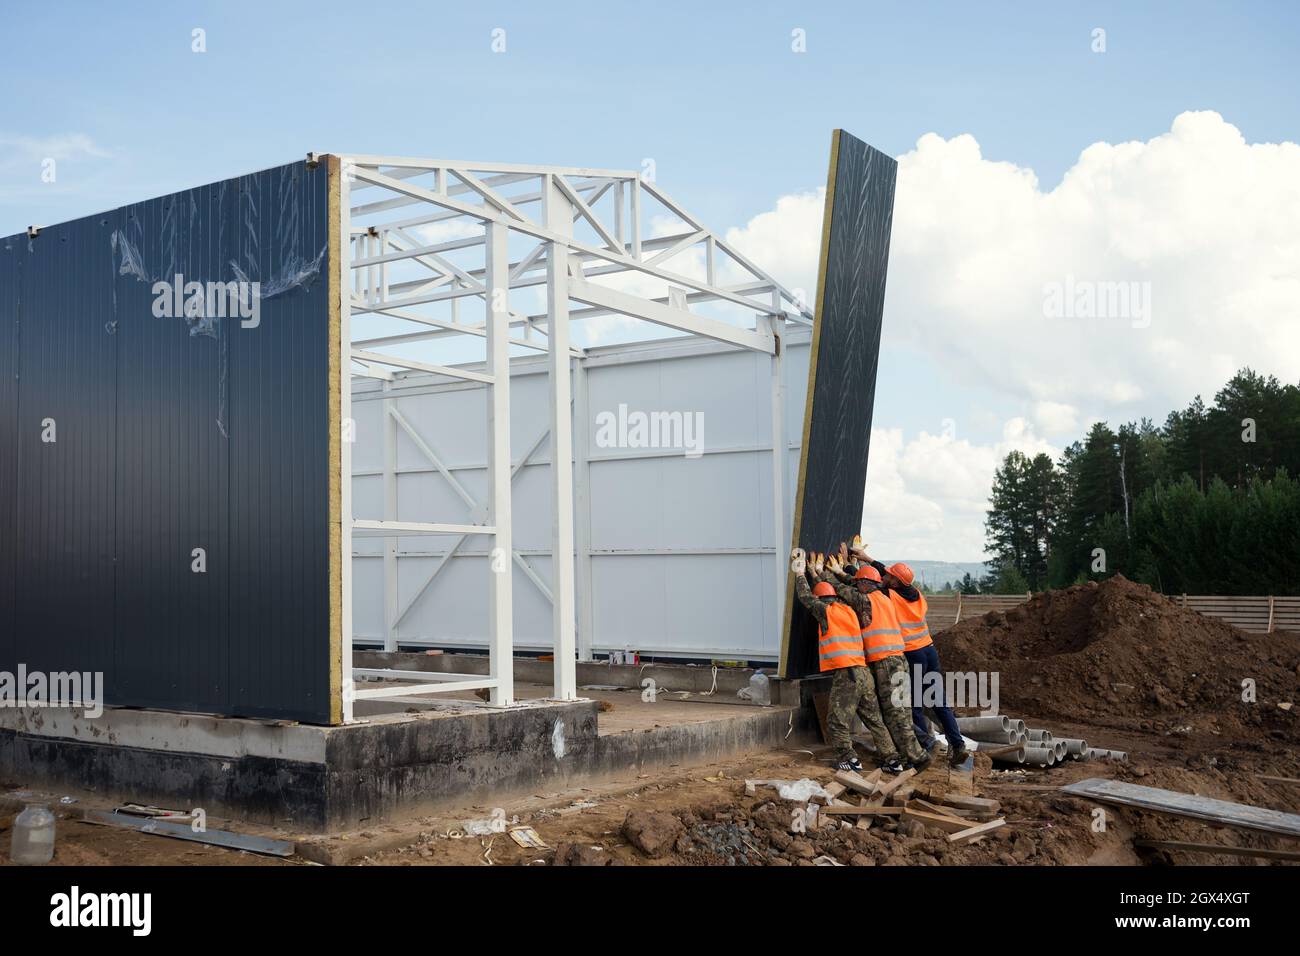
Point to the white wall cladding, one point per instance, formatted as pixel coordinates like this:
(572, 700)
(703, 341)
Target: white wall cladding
(682, 548)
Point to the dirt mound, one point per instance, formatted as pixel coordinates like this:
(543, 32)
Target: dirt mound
(1121, 654)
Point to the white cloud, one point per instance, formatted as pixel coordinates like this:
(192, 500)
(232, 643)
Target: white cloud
(1197, 227)
(926, 497)
(27, 149)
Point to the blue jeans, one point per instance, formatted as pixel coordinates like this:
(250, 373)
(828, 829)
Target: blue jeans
(922, 662)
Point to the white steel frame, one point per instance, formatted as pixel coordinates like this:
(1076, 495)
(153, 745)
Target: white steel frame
(482, 209)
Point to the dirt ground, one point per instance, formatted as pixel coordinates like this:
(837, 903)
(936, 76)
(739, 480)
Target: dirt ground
(703, 817)
(1113, 663)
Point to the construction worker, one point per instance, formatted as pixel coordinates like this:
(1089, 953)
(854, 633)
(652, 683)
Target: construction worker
(883, 646)
(840, 652)
(922, 656)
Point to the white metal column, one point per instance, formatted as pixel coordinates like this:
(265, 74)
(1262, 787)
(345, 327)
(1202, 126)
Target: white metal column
(582, 483)
(390, 514)
(777, 325)
(559, 219)
(501, 571)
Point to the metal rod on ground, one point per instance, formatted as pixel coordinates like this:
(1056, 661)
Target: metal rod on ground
(1007, 754)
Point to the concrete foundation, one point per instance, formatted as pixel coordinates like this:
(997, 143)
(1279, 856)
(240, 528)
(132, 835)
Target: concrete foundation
(408, 756)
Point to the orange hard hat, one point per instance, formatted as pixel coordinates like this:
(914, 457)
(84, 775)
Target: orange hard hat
(902, 572)
(823, 589)
(868, 572)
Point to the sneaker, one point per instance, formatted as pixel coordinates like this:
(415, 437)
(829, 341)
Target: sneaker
(958, 755)
(848, 763)
(893, 766)
(920, 765)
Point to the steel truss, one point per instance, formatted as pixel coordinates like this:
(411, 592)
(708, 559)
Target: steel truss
(426, 242)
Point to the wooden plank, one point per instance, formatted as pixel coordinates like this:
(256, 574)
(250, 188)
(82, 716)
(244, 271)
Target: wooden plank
(851, 780)
(848, 810)
(1191, 806)
(967, 803)
(942, 821)
(1288, 780)
(1215, 848)
(975, 833)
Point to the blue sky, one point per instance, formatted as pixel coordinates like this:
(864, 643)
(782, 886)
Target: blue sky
(712, 92)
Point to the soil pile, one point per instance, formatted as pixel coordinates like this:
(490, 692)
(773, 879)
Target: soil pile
(1122, 654)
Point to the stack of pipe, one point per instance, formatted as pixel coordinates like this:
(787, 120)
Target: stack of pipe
(1008, 740)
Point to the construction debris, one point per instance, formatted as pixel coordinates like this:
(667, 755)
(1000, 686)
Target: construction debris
(183, 831)
(1220, 812)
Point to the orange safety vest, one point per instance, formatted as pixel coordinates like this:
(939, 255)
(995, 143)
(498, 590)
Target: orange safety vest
(911, 620)
(882, 637)
(840, 644)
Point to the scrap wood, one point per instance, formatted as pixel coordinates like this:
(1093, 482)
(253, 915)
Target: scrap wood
(1268, 779)
(1191, 806)
(942, 821)
(848, 810)
(834, 789)
(853, 781)
(900, 796)
(1215, 848)
(183, 831)
(882, 793)
(975, 833)
(528, 838)
(966, 803)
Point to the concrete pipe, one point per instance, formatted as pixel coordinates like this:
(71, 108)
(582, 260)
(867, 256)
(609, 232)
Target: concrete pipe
(1039, 757)
(1018, 726)
(1096, 753)
(992, 736)
(975, 726)
(1008, 755)
(1119, 755)
(1061, 750)
(1075, 747)
(1036, 733)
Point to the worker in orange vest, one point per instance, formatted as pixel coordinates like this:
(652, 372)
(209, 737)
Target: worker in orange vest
(922, 656)
(840, 652)
(862, 590)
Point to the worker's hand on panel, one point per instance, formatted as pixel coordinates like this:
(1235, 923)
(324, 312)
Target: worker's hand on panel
(818, 563)
(857, 548)
(844, 553)
(798, 561)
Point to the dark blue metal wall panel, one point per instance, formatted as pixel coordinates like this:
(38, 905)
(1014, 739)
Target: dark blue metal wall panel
(175, 433)
(842, 374)
(10, 282)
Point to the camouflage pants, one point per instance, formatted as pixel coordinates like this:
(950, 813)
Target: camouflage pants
(894, 694)
(853, 691)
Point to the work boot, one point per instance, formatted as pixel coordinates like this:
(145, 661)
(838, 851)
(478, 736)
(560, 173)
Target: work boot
(920, 765)
(929, 745)
(848, 762)
(893, 765)
(958, 755)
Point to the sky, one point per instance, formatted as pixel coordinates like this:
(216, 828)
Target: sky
(1045, 169)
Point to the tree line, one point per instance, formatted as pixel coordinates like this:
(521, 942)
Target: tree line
(1208, 503)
